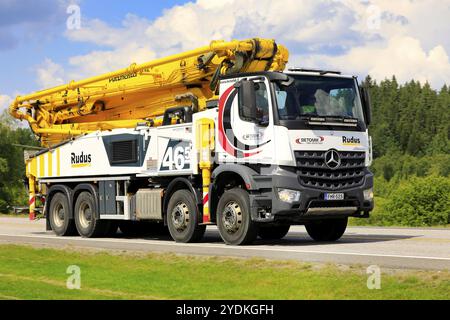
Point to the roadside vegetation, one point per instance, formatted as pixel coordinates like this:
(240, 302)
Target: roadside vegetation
(32, 273)
(410, 130)
(413, 200)
(410, 133)
(12, 166)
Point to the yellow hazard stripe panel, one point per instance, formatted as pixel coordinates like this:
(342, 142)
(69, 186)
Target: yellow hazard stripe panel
(44, 165)
(50, 164)
(41, 166)
(34, 167)
(58, 163)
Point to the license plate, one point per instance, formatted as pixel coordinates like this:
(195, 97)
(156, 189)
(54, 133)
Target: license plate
(334, 196)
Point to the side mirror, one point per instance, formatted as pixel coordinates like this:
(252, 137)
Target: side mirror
(247, 100)
(367, 105)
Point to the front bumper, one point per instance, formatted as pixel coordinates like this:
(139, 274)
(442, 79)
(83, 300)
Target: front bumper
(266, 206)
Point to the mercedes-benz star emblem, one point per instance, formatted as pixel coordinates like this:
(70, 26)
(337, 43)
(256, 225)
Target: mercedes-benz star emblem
(332, 159)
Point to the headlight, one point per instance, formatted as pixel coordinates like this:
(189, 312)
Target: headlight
(287, 195)
(368, 194)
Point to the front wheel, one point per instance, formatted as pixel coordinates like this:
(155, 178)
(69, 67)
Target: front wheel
(183, 218)
(327, 230)
(234, 219)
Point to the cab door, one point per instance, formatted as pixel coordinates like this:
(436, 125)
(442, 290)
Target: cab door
(244, 139)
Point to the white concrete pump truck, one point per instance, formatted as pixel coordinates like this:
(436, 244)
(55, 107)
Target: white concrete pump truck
(219, 135)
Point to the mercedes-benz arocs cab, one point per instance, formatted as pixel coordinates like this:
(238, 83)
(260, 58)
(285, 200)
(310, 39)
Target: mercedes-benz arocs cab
(300, 141)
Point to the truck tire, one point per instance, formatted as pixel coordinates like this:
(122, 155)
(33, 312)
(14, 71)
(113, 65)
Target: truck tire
(183, 218)
(59, 216)
(273, 232)
(327, 230)
(88, 225)
(234, 219)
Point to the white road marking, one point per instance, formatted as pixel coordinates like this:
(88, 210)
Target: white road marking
(162, 243)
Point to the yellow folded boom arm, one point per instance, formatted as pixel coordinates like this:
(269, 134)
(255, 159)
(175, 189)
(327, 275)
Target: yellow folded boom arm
(123, 98)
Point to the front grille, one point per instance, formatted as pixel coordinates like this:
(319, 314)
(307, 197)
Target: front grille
(314, 173)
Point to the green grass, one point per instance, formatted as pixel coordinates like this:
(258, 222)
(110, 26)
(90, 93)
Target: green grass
(35, 273)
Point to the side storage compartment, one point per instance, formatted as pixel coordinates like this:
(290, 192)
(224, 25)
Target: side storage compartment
(107, 197)
(149, 204)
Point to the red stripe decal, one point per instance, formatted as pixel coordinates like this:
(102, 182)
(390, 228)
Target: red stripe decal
(206, 199)
(223, 140)
(222, 136)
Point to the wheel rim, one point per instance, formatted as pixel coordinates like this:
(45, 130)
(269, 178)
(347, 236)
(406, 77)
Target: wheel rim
(58, 215)
(232, 217)
(180, 216)
(85, 215)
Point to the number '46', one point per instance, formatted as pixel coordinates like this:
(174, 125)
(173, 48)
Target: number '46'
(176, 158)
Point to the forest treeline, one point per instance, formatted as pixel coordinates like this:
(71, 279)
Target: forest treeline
(410, 119)
(410, 130)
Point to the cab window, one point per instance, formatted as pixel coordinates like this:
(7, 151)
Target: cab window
(262, 103)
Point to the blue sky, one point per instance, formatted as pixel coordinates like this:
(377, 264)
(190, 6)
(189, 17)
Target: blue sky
(381, 37)
(32, 41)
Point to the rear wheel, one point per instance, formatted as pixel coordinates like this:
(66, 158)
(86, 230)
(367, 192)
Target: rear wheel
(59, 216)
(233, 218)
(273, 232)
(327, 230)
(183, 218)
(88, 225)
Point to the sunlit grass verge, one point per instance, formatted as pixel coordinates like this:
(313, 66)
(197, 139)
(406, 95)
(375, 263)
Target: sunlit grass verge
(11, 215)
(36, 273)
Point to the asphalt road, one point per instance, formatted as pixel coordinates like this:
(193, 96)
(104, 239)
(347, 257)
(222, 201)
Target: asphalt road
(404, 248)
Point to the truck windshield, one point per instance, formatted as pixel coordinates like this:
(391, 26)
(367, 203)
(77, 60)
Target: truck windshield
(319, 96)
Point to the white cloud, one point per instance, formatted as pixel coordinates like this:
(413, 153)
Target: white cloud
(98, 32)
(403, 57)
(425, 20)
(411, 41)
(122, 46)
(195, 24)
(98, 62)
(305, 25)
(50, 74)
(5, 102)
